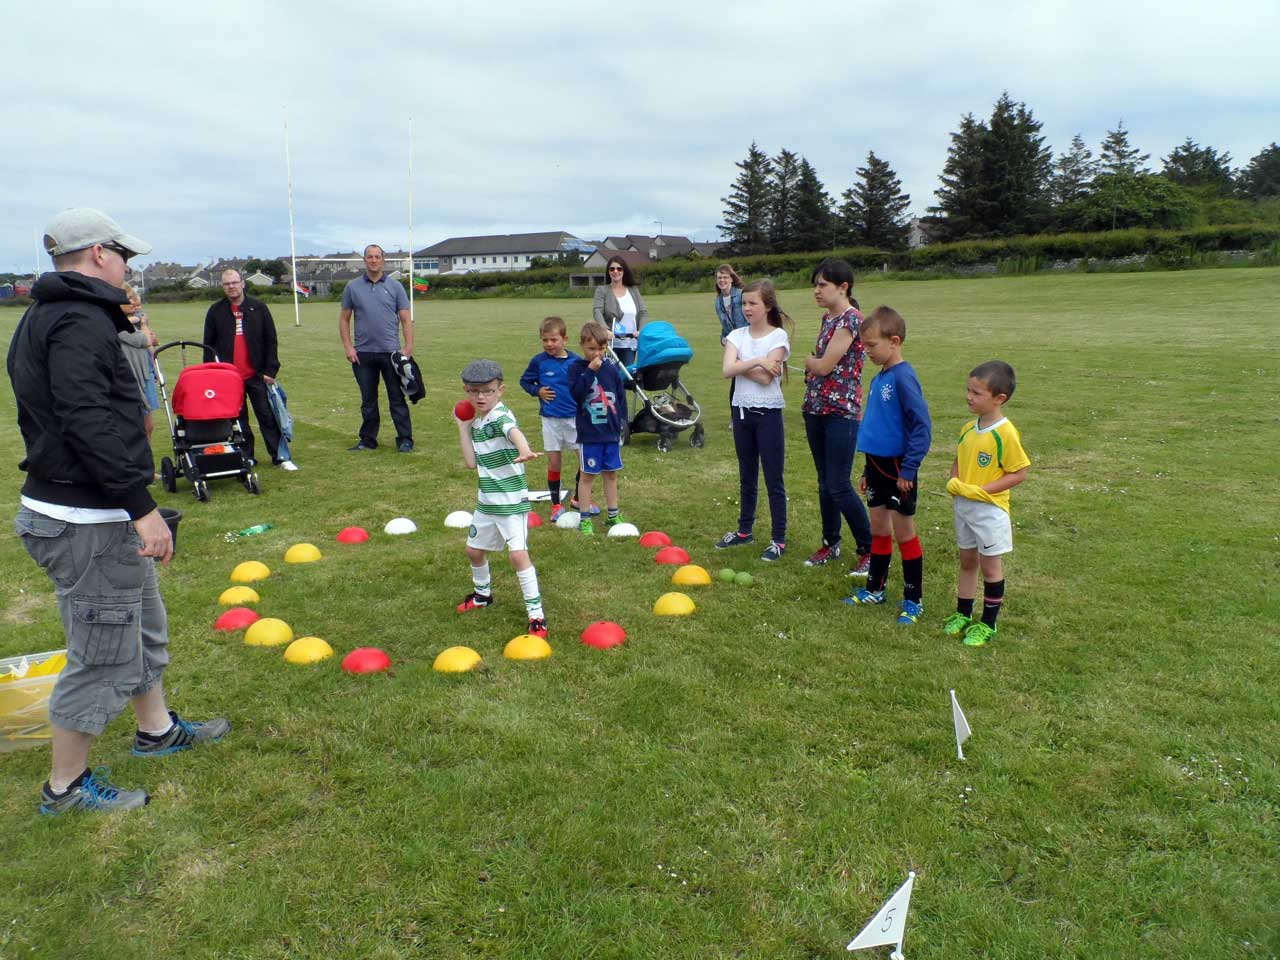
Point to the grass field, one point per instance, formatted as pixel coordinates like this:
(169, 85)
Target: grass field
(754, 780)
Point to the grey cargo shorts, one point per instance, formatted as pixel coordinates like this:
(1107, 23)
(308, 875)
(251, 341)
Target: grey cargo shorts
(114, 619)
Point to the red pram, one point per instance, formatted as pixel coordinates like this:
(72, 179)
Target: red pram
(204, 421)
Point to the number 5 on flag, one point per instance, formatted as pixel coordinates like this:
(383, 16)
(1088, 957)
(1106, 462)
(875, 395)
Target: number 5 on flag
(889, 925)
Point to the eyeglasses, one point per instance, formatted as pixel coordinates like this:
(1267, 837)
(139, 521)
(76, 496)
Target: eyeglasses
(477, 392)
(615, 270)
(116, 248)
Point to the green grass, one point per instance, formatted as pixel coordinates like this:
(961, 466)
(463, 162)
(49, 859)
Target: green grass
(754, 780)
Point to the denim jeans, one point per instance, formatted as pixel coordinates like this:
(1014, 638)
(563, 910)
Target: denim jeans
(371, 367)
(833, 442)
(759, 441)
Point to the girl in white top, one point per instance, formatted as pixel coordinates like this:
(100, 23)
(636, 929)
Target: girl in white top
(755, 356)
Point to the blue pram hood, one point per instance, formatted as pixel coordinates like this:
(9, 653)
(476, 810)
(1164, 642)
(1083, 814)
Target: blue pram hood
(659, 343)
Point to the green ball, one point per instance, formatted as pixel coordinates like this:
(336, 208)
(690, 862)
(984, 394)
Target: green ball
(727, 575)
(743, 579)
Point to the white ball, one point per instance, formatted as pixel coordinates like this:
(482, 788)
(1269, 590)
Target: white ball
(624, 530)
(400, 525)
(569, 520)
(459, 519)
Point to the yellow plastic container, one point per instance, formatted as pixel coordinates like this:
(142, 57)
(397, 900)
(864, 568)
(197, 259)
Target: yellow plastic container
(24, 701)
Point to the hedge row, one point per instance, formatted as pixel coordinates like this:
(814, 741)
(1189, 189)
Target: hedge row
(938, 257)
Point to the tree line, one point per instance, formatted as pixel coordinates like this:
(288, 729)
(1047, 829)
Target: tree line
(999, 179)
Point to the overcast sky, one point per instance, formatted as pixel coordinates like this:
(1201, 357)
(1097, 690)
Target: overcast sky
(593, 118)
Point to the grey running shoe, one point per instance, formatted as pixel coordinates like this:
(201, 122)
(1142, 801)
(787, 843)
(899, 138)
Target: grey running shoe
(733, 539)
(773, 551)
(95, 792)
(183, 735)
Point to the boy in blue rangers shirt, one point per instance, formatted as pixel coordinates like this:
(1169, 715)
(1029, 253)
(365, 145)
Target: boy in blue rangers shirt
(989, 462)
(895, 436)
(494, 447)
(599, 391)
(547, 378)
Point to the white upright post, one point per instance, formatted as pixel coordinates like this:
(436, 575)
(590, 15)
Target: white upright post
(411, 282)
(293, 253)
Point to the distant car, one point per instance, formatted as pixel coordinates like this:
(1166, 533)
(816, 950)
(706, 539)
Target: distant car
(458, 273)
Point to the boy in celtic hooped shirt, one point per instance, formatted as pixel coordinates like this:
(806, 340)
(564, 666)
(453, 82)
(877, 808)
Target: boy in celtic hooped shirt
(989, 462)
(494, 447)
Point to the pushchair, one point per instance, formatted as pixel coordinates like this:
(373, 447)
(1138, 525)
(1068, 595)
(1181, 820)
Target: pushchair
(204, 420)
(665, 406)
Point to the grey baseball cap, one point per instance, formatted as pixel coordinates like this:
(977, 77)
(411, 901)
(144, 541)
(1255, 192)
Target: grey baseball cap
(81, 227)
(481, 371)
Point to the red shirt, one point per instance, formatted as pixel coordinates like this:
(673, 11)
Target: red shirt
(240, 352)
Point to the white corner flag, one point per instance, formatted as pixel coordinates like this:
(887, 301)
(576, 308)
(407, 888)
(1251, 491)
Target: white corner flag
(961, 725)
(889, 925)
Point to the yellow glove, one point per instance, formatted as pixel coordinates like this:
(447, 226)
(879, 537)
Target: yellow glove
(970, 491)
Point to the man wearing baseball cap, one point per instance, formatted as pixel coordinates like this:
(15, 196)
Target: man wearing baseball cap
(86, 516)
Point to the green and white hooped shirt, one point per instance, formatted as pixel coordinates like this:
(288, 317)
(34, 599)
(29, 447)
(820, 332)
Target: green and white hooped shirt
(503, 490)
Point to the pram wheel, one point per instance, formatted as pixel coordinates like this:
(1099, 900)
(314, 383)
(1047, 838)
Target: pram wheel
(168, 475)
(664, 444)
(625, 437)
(201, 490)
(251, 483)
(698, 438)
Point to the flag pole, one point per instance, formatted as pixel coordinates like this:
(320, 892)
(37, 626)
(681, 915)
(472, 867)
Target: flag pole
(36, 236)
(411, 280)
(293, 253)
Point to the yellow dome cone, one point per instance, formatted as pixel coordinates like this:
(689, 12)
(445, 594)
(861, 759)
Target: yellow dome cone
(249, 571)
(268, 632)
(302, 553)
(456, 660)
(673, 605)
(691, 575)
(238, 596)
(527, 647)
(308, 650)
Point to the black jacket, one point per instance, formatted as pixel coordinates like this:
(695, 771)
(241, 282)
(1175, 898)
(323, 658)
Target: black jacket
(259, 334)
(78, 407)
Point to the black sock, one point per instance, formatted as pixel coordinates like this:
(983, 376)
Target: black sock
(70, 786)
(881, 557)
(992, 597)
(964, 606)
(614, 512)
(553, 487)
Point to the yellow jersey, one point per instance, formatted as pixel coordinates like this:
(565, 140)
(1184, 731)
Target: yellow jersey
(987, 454)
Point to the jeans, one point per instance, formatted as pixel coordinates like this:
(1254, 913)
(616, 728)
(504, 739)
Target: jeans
(759, 441)
(255, 392)
(371, 367)
(833, 442)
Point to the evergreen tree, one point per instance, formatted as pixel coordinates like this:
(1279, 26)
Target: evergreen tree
(1261, 178)
(782, 208)
(956, 214)
(746, 209)
(1073, 173)
(1017, 168)
(1118, 156)
(814, 222)
(873, 212)
(1191, 165)
(996, 178)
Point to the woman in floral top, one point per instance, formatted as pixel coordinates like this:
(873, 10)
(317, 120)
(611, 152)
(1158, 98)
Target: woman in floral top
(832, 408)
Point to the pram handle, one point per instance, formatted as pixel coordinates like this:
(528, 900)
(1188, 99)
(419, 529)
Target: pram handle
(208, 350)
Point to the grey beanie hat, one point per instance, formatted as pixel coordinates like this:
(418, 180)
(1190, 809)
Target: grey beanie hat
(481, 371)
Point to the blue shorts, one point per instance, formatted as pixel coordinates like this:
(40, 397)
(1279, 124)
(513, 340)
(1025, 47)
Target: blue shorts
(600, 457)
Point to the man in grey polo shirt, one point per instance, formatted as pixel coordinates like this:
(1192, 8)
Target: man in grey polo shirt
(86, 516)
(382, 312)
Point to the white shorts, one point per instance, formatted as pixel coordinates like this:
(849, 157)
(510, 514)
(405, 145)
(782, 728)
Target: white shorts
(491, 533)
(559, 433)
(982, 526)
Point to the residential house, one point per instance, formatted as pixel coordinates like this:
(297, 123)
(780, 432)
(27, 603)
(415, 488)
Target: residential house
(657, 248)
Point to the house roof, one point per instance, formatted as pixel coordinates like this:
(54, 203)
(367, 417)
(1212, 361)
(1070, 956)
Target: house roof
(632, 258)
(554, 240)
